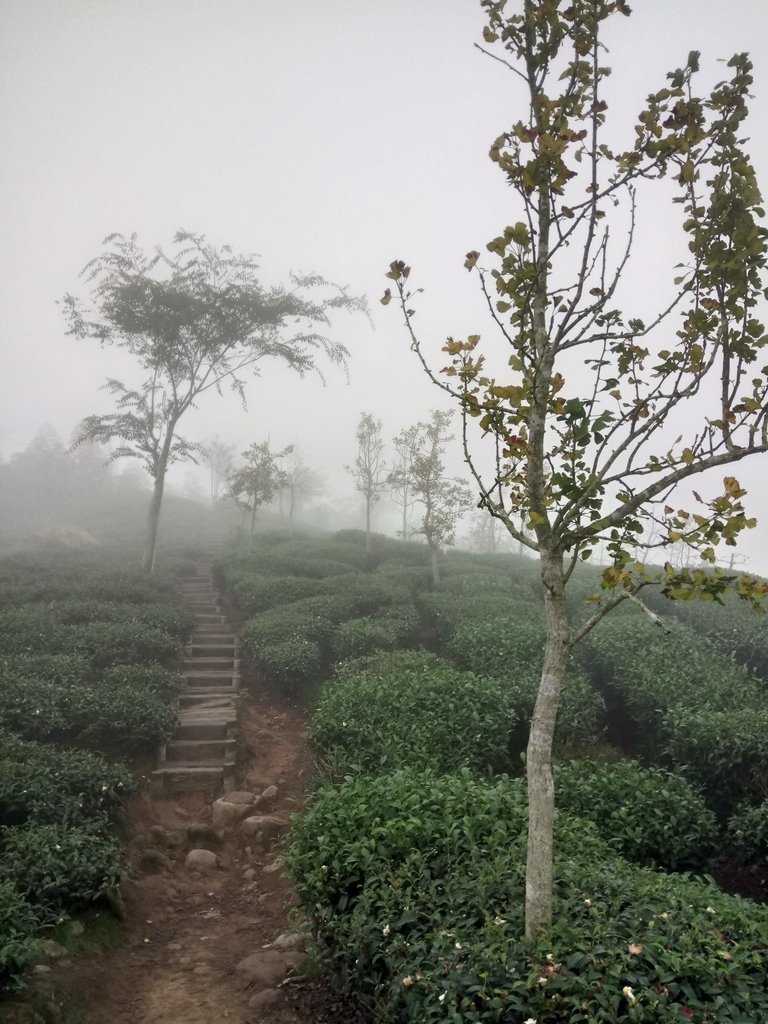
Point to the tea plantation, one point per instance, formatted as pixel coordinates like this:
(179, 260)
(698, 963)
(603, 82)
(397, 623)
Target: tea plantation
(87, 650)
(409, 862)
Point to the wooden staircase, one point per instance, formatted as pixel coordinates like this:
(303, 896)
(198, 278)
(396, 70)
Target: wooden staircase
(201, 754)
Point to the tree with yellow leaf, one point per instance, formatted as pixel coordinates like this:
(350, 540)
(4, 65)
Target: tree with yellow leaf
(579, 401)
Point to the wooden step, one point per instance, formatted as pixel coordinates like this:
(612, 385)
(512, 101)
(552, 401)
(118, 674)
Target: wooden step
(203, 751)
(184, 779)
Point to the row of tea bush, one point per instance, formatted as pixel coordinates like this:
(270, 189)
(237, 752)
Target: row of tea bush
(88, 646)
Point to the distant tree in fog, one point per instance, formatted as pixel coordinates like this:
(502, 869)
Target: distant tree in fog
(258, 479)
(195, 319)
(298, 485)
(399, 478)
(219, 457)
(368, 470)
(443, 499)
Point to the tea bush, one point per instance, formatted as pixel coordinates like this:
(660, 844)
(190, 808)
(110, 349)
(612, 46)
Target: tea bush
(121, 643)
(59, 868)
(511, 650)
(748, 830)
(175, 620)
(447, 612)
(411, 709)
(648, 815)
(293, 644)
(60, 697)
(80, 576)
(34, 629)
(256, 594)
(389, 631)
(724, 748)
(19, 946)
(679, 695)
(732, 628)
(414, 887)
(43, 783)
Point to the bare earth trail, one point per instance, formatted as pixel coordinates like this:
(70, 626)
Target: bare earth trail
(186, 931)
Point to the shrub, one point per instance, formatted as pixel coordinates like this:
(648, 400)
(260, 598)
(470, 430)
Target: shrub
(411, 709)
(175, 620)
(59, 868)
(647, 815)
(678, 693)
(19, 947)
(448, 612)
(42, 783)
(748, 830)
(256, 594)
(414, 886)
(499, 647)
(121, 643)
(60, 697)
(389, 631)
(292, 644)
(511, 650)
(724, 749)
(28, 629)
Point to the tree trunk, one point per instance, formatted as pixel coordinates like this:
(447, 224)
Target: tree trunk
(253, 520)
(435, 568)
(153, 521)
(541, 787)
(291, 509)
(368, 526)
(153, 516)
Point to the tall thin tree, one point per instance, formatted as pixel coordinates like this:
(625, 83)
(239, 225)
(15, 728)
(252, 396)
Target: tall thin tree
(580, 428)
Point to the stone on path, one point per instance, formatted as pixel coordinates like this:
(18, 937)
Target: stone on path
(227, 813)
(265, 1000)
(264, 827)
(269, 967)
(201, 860)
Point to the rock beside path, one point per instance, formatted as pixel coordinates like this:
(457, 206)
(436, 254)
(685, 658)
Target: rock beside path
(264, 827)
(268, 967)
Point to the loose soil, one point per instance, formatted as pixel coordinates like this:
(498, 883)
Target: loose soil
(185, 933)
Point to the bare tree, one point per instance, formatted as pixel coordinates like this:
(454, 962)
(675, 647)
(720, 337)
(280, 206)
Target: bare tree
(585, 460)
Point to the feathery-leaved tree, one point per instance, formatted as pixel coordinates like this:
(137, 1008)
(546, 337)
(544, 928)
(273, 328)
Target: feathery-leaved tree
(197, 319)
(257, 479)
(594, 416)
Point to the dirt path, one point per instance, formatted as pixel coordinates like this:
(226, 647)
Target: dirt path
(187, 933)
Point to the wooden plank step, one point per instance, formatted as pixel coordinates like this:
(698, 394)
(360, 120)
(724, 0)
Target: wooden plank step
(184, 779)
(201, 750)
(222, 664)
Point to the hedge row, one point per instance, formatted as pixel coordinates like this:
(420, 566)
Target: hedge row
(685, 704)
(414, 885)
(294, 644)
(85, 648)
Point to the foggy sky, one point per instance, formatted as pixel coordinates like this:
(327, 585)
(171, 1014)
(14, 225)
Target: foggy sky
(324, 135)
